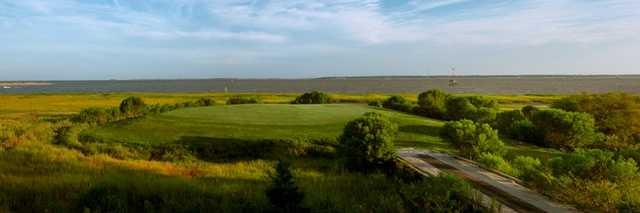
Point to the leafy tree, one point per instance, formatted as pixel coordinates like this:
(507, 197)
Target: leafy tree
(614, 113)
(432, 103)
(132, 106)
(565, 130)
(444, 193)
(473, 138)
(314, 97)
(475, 108)
(397, 102)
(367, 142)
(284, 193)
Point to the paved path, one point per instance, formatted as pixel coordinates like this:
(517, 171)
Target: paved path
(505, 189)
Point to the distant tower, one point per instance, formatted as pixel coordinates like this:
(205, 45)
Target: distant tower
(452, 74)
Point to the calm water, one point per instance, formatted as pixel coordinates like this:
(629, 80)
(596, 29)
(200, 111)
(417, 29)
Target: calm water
(496, 85)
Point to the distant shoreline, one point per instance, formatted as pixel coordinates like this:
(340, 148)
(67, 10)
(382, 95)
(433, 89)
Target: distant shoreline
(24, 84)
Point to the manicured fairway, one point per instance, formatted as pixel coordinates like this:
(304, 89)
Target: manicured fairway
(264, 121)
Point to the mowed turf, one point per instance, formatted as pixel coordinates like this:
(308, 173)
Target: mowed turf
(265, 121)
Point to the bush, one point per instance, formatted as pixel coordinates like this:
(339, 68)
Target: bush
(531, 171)
(132, 106)
(445, 193)
(398, 103)
(564, 130)
(614, 113)
(594, 164)
(505, 121)
(314, 97)
(496, 162)
(432, 103)
(205, 102)
(283, 193)
(529, 110)
(473, 138)
(367, 142)
(375, 103)
(94, 115)
(474, 108)
(243, 100)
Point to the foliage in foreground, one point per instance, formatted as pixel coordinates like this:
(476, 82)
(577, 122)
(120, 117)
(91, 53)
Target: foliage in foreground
(284, 194)
(473, 139)
(367, 143)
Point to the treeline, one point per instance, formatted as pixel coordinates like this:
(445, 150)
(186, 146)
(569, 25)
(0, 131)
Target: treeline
(132, 107)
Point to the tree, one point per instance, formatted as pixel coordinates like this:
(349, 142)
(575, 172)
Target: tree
(565, 130)
(432, 103)
(314, 97)
(614, 113)
(367, 142)
(284, 193)
(473, 138)
(132, 106)
(397, 102)
(475, 108)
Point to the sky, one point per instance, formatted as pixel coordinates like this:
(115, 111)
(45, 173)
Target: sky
(153, 39)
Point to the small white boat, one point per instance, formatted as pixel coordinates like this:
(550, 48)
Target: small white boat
(6, 87)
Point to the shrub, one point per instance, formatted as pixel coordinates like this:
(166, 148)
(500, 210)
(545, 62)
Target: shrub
(93, 115)
(205, 102)
(367, 142)
(375, 103)
(432, 103)
(243, 100)
(495, 162)
(614, 113)
(565, 130)
(473, 138)
(283, 193)
(594, 164)
(531, 170)
(445, 193)
(505, 121)
(398, 103)
(474, 108)
(132, 106)
(314, 97)
(529, 110)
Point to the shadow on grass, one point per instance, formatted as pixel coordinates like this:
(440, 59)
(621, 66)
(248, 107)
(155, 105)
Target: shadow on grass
(421, 129)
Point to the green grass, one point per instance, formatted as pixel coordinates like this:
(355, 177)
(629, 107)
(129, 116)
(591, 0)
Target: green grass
(267, 121)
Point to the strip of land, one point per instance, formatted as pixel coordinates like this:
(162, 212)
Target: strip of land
(503, 188)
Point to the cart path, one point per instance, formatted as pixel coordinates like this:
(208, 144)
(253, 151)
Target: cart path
(503, 188)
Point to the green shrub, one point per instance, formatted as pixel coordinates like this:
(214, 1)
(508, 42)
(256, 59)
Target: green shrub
(529, 110)
(564, 130)
(474, 108)
(594, 164)
(445, 193)
(243, 100)
(398, 103)
(531, 171)
(366, 143)
(205, 102)
(94, 115)
(314, 97)
(284, 193)
(375, 103)
(614, 113)
(496, 162)
(432, 103)
(132, 106)
(473, 138)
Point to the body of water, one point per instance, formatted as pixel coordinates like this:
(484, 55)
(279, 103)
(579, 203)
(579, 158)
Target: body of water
(480, 84)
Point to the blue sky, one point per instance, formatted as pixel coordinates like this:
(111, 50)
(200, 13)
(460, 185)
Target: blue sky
(127, 39)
